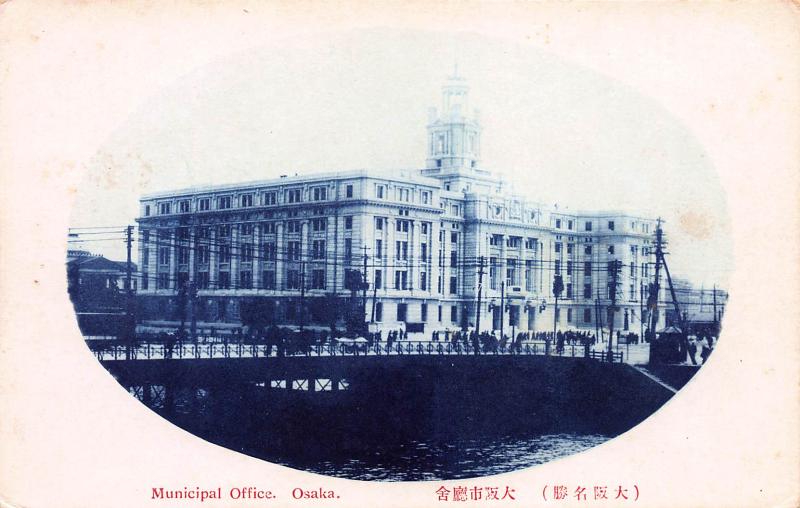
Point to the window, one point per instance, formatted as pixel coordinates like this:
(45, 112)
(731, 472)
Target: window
(587, 250)
(224, 253)
(247, 229)
(402, 226)
(424, 228)
(268, 279)
(183, 255)
(203, 280)
(569, 315)
(163, 281)
(569, 267)
(511, 272)
(378, 311)
(268, 228)
(246, 200)
(423, 312)
(400, 279)
(453, 285)
(163, 256)
(348, 191)
(202, 254)
(204, 204)
(403, 195)
(164, 208)
(530, 244)
(558, 266)
(454, 313)
(558, 223)
(401, 250)
(611, 249)
(454, 210)
(569, 224)
(183, 206)
(426, 197)
(569, 291)
(318, 249)
(270, 198)
(380, 191)
(223, 203)
(224, 281)
(379, 223)
(423, 252)
(293, 195)
(439, 313)
(587, 315)
(611, 225)
(293, 251)
(182, 233)
(318, 279)
(145, 281)
(529, 275)
(570, 248)
(453, 237)
(246, 279)
(147, 210)
(588, 226)
(292, 279)
(402, 311)
(293, 226)
(558, 247)
(268, 251)
(378, 279)
(423, 281)
(145, 257)
(319, 224)
(453, 259)
(348, 223)
(378, 249)
(320, 193)
(348, 248)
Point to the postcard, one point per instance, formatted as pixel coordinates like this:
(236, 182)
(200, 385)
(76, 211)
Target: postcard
(399, 254)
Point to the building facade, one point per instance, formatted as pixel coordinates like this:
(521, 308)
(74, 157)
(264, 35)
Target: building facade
(426, 239)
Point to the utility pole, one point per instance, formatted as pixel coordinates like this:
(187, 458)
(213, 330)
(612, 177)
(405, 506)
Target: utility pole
(374, 298)
(641, 311)
(193, 300)
(502, 307)
(616, 266)
(130, 321)
(302, 294)
(716, 320)
(364, 285)
(558, 287)
(597, 322)
(480, 288)
(652, 299)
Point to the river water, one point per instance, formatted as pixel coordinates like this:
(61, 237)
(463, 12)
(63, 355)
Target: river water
(420, 460)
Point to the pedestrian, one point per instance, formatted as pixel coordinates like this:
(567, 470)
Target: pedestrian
(693, 349)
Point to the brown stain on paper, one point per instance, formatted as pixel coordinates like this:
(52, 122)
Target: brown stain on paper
(695, 224)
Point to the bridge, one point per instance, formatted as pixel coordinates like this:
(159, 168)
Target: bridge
(217, 349)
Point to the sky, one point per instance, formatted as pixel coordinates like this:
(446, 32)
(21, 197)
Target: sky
(560, 133)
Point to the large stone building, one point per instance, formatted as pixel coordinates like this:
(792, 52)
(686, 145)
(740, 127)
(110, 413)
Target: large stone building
(425, 236)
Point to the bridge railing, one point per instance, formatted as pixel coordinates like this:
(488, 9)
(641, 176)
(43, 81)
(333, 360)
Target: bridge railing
(108, 350)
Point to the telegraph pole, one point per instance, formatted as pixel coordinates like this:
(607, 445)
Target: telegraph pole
(374, 299)
(480, 288)
(716, 321)
(614, 276)
(130, 322)
(364, 285)
(502, 307)
(652, 299)
(302, 294)
(597, 323)
(641, 311)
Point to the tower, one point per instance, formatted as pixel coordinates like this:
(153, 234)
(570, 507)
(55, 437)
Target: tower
(454, 132)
